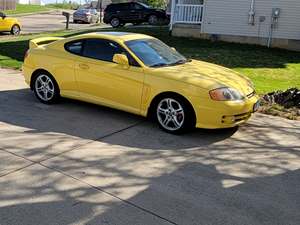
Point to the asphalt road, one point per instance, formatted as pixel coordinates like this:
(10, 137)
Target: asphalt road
(47, 22)
(77, 163)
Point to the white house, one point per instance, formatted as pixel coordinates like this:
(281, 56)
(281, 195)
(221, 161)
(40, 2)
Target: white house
(32, 2)
(274, 23)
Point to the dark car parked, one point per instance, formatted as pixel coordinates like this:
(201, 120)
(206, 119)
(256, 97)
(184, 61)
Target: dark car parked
(133, 12)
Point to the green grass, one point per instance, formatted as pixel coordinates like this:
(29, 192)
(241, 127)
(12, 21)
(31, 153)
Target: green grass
(22, 9)
(270, 69)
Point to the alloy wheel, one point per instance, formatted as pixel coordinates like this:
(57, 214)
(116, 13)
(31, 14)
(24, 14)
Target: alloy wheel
(170, 114)
(44, 87)
(115, 22)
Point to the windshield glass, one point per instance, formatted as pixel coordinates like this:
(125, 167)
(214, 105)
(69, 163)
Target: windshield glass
(143, 4)
(154, 53)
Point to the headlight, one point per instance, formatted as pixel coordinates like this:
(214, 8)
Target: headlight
(225, 94)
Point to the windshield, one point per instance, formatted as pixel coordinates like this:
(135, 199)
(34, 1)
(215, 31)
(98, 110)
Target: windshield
(143, 4)
(154, 53)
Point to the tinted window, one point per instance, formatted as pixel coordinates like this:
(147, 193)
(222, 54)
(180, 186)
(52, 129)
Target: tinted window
(101, 49)
(136, 6)
(105, 50)
(74, 47)
(123, 6)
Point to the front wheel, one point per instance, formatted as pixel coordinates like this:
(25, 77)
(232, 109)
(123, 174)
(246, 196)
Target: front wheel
(15, 30)
(153, 20)
(174, 115)
(45, 88)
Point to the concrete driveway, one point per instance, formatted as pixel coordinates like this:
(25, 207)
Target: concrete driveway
(77, 163)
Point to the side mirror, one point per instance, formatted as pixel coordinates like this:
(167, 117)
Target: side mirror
(3, 16)
(121, 60)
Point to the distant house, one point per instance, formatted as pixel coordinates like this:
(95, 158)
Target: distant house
(7, 4)
(31, 2)
(263, 22)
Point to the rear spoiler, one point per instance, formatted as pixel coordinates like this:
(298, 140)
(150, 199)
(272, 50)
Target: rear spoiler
(42, 41)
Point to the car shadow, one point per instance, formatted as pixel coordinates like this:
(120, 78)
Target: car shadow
(92, 122)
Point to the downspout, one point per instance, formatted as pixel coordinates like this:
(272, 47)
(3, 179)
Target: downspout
(251, 20)
(172, 19)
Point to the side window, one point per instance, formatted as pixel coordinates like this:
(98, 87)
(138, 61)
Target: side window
(101, 49)
(124, 7)
(136, 6)
(105, 50)
(74, 47)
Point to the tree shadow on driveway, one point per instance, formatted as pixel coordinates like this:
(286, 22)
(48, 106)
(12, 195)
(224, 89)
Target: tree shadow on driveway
(193, 194)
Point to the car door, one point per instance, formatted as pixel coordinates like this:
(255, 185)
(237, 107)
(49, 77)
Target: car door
(123, 12)
(3, 22)
(100, 80)
(136, 11)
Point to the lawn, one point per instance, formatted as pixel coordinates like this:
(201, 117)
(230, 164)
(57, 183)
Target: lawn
(270, 69)
(21, 9)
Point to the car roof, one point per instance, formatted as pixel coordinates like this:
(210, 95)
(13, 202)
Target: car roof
(124, 36)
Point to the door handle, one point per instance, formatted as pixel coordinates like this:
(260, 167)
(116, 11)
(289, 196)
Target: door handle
(83, 66)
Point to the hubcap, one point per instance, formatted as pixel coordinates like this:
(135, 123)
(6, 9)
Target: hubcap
(115, 22)
(16, 30)
(153, 20)
(170, 114)
(44, 87)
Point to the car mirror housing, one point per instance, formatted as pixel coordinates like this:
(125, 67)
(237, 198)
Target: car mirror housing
(3, 16)
(121, 60)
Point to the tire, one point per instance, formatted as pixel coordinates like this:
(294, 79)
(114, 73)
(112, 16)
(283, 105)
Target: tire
(45, 88)
(174, 114)
(115, 22)
(153, 20)
(15, 30)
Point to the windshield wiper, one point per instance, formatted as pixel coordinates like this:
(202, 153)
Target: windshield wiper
(179, 62)
(159, 65)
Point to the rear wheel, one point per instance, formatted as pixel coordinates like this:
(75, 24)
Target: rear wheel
(153, 20)
(15, 30)
(45, 88)
(115, 22)
(174, 115)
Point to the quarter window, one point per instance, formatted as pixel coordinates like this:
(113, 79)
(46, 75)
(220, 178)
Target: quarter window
(74, 47)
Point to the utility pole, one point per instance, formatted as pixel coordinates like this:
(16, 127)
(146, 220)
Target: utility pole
(99, 7)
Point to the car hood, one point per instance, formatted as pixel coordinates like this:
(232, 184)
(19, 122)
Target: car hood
(207, 75)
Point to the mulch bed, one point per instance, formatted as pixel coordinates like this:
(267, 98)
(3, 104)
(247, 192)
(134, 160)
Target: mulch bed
(282, 103)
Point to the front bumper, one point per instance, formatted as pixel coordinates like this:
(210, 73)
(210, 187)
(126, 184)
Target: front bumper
(224, 114)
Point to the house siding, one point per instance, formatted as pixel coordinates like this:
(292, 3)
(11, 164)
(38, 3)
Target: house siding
(230, 17)
(32, 2)
(7, 4)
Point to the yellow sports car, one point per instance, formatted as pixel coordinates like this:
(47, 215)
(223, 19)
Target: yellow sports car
(8, 24)
(142, 75)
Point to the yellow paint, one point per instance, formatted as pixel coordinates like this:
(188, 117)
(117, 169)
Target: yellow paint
(7, 23)
(132, 89)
